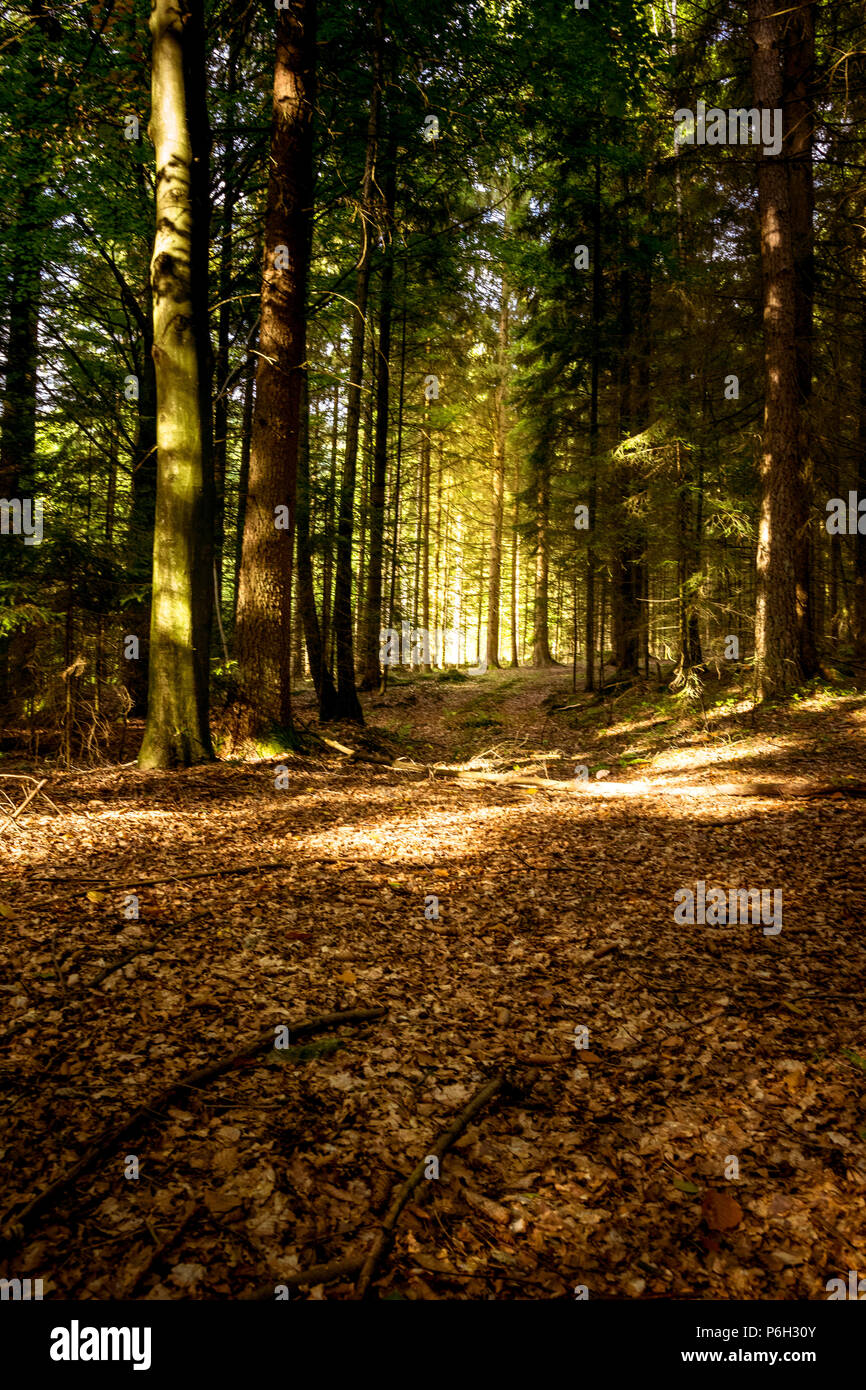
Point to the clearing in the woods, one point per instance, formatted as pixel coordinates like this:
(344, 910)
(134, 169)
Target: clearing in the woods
(615, 1100)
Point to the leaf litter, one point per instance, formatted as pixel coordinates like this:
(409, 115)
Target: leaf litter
(609, 1169)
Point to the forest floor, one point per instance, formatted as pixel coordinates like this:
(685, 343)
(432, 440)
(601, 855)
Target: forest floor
(708, 1140)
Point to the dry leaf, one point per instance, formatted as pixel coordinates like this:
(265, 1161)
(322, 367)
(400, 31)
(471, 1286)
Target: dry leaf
(721, 1212)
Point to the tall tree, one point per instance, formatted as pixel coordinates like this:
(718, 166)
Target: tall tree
(349, 705)
(373, 606)
(777, 638)
(177, 729)
(263, 632)
(494, 577)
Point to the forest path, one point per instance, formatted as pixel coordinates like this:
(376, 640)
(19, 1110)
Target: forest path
(709, 1048)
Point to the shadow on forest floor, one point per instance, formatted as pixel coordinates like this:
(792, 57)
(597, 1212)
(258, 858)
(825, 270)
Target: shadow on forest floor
(704, 1137)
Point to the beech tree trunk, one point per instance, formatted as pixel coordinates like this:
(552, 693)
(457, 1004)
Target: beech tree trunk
(177, 730)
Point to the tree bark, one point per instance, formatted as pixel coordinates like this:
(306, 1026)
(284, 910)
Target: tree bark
(798, 125)
(515, 554)
(263, 638)
(595, 366)
(177, 730)
(221, 405)
(349, 705)
(494, 577)
(858, 616)
(142, 511)
(373, 605)
(323, 681)
(777, 636)
(541, 653)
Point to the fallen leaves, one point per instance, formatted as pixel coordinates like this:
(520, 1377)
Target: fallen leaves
(721, 1211)
(704, 1044)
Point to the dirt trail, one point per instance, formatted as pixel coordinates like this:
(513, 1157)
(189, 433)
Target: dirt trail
(495, 925)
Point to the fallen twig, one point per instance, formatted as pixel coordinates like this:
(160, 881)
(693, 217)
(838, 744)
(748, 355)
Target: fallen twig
(344, 1268)
(153, 1256)
(404, 1192)
(13, 1226)
(13, 816)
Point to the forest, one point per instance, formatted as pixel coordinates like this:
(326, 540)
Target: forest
(432, 650)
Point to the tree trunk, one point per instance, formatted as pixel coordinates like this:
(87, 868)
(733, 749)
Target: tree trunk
(263, 638)
(141, 514)
(244, 474)
(177, 730)
(373, 604)
(349, 705)
(326, 693)
(494, 578)
(798, 127)
(221, 405)
(541, 653)
(595, 349)
(515, 553)
(328, 560)
(426, 451)
(777, 636)
(858, 616)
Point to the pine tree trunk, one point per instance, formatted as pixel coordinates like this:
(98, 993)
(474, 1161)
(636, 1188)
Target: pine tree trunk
(328, 559)
(798, 131)
(595, 366)
(141, 513)
(221, 405)
(349, 705)
(515, 557)
(244, 474)
(373, 604)
(858, 617)
(263, 637)
(177, 730)
(426, 450)
(541, 653)
(326, 693)
(777, 637)
(494, 577)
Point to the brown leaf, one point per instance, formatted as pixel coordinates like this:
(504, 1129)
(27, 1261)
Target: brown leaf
(721, 1212)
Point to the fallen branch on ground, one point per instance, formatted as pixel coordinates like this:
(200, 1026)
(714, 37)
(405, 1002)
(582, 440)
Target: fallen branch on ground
(16, 1226)
(34, 791)
(404, 1192)
(344, 1268)
(153, 1256)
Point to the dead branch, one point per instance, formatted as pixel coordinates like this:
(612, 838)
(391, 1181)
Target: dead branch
(15, 1227)
(34, 791)
(344, 1268)
(404, 1192)
(153, 1256)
